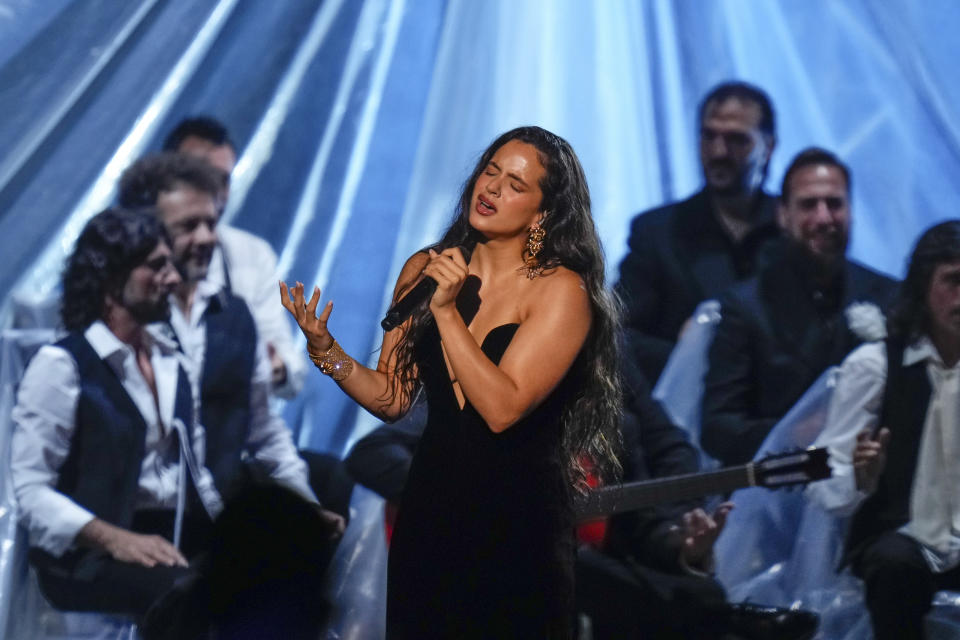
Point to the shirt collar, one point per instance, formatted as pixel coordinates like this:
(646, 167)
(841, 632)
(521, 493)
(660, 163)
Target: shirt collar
(104, 342)
(107, 345)
(920, 351)
(209, 287)
(207, 290)
(163, 337)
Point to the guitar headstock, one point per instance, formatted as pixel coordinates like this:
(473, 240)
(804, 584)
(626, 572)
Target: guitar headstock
(791, 468)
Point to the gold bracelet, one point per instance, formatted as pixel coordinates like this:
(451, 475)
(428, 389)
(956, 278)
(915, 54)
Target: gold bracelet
(333, 362)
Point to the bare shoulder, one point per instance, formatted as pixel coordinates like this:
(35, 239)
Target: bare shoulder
(411, 271)
(562, 279)
(417, 261)
(560, 285)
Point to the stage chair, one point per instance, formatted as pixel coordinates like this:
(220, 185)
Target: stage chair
(680, 387)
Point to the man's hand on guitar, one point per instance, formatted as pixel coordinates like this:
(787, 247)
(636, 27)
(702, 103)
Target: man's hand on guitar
(869, 458)
(699, 532)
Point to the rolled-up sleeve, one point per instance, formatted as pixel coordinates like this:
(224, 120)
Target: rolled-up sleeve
(854, 406)
(44, 424)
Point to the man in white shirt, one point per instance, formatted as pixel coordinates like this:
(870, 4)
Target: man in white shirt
(893, 431)
(106, 454)
(214, 328)
(242, 262)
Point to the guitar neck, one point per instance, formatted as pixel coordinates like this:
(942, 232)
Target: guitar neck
(646, 493)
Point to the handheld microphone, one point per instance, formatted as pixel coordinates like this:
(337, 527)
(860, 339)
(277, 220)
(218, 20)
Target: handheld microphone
(420, 293)
(405, 305)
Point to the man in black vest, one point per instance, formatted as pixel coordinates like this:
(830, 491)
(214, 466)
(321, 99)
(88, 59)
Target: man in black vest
(799, 315)
(215, 329)
(103, 425)
(893, 430)
(244, 261)
(690, 251)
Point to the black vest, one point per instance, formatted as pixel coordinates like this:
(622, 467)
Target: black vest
(102, 470)
(906, 398)
(228, 364)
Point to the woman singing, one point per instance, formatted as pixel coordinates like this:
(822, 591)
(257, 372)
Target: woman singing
(516, 354)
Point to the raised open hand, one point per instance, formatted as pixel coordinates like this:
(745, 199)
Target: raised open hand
(314, 327)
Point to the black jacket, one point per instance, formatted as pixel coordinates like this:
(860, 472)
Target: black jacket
(680, 256)
(777, 334)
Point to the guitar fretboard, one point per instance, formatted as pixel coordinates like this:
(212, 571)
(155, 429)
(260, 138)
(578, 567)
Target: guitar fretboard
(635, 495)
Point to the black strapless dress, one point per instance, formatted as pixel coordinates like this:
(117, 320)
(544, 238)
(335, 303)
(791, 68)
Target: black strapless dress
(483, 545)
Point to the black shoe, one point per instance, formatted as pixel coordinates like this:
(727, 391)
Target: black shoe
(755, 622)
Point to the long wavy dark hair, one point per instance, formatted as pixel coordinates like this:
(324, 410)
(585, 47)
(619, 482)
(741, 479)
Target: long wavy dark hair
(111, 244)
(591, 414)
(909, 315)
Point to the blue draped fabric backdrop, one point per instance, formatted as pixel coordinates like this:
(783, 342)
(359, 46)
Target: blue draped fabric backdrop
(357, 121)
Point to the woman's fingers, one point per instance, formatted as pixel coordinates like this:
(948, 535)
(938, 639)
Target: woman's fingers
(444, 265)
(326, 312)
(453, 258)
(437, 272)
(293, 301)
(314, 300)
(285, 298)
(456, 256)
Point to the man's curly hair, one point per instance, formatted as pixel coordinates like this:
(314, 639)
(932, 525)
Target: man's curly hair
(143, 181)
(110, 246)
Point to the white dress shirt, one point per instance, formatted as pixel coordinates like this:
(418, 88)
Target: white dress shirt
(856, 404)
(269, 441)
(44, 425)
(252, 267)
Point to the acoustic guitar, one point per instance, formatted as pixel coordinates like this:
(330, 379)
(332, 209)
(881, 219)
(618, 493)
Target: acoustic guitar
(772, 472)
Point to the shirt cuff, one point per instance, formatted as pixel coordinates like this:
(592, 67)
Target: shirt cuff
(60, 535)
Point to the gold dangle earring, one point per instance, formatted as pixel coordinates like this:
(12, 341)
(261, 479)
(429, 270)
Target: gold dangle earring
(534, 247)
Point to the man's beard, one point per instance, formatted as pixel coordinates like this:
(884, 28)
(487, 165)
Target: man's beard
(731, 187)
(822, 266)
(149, 312)
(833, 247)
(194, 268)
(745, 181)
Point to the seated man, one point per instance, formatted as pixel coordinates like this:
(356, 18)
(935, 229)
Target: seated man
(782, 328)
(652, 577)
(106, 456)
(214, 328)
(892, 433)
(242, 262)
(689, 251)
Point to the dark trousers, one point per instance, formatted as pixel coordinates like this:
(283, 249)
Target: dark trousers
(899, 586)
(628, 601)
(87, 580)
